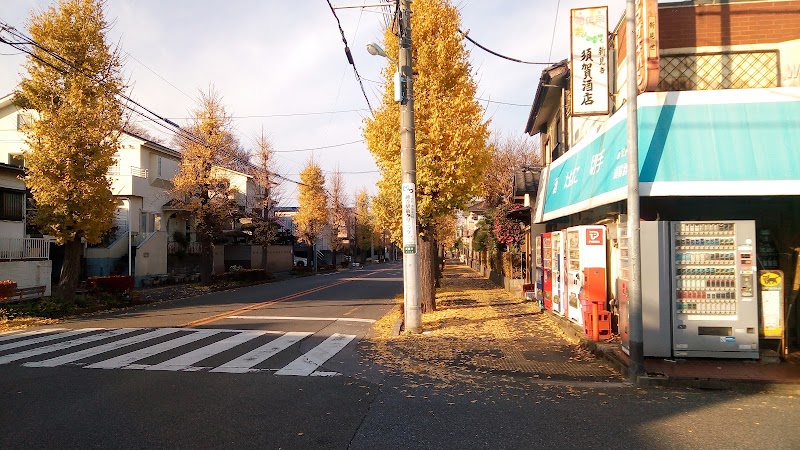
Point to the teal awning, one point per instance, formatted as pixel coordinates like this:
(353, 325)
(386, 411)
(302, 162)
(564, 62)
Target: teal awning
(696, 143)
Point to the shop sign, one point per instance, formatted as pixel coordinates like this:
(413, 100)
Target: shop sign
(771, 282)
(589, 61)
(706, 149)
(647, 69)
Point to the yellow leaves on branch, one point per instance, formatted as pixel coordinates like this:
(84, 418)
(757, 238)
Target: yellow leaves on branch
(200, 185)
(451, 134)
(72, 142)
(312, 215)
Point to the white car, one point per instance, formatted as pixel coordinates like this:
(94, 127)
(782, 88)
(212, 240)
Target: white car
(300, 261)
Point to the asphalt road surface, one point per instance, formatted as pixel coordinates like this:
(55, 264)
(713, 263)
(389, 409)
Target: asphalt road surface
(278, 366)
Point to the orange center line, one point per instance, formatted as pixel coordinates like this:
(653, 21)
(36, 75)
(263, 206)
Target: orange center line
(220, 316)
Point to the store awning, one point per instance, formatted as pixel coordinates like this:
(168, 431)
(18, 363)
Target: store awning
(696, 143)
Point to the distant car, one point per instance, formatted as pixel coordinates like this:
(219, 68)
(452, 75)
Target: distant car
(356, 265)
(300, 261)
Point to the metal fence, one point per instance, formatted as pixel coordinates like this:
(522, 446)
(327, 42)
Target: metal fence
(12, 249)
(711, 71)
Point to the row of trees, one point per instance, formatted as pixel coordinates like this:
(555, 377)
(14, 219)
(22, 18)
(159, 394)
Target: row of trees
(73, 81)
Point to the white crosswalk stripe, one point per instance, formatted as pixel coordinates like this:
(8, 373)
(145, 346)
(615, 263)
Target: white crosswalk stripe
(308, 363)
(253, 358)
(170, 349)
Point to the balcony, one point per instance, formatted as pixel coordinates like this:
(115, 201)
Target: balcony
(130, 180)
(17, 249)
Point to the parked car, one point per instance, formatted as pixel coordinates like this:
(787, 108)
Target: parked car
(300, 261)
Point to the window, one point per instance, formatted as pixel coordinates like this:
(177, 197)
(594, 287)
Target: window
(12, 205)
(159, 166)
(24, 119)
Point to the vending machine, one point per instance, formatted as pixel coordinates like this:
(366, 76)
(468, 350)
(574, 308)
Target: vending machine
(547, 273)
(558, 275)
(538, 268)
(586, 267)
(714, 294)
(655, 288)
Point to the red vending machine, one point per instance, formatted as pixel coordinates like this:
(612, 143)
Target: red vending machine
(539, 269)
(547, 273)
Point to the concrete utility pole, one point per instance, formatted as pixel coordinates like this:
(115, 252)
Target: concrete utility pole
(635, 328)
(408, 160)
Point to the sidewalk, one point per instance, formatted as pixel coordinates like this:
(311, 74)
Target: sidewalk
(479, 328)
(702, 373)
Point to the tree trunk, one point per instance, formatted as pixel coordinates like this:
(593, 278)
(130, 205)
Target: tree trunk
(71, 269)
(264, 249)
(427, 252)
(206, 259)
(437, 269)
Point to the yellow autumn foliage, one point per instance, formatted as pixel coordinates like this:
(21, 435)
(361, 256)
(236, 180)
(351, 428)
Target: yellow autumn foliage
(78, 118)
(451, 134)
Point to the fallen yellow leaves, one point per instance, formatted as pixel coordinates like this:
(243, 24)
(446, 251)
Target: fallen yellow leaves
(478, 328)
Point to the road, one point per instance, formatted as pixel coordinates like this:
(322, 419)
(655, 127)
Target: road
(281, 366)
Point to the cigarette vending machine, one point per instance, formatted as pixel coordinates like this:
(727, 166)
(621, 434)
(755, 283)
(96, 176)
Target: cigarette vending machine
(585, 256)
(714, 299)
(547, 275)
(539, 269)
(558, 275)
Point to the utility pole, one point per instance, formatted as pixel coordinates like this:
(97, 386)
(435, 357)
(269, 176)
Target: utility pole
(408, 161)
(636, 333)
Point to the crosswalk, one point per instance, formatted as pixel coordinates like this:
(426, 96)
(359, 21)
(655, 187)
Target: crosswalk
(173, 349)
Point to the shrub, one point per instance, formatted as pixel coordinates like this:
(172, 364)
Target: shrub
(111, 283)
(7, 288)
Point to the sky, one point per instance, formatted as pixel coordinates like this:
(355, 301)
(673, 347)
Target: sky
(280, 67)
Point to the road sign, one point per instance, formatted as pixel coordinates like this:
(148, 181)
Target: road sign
(409, 218)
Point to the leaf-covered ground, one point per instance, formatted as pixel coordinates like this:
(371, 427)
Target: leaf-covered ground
(481, 333)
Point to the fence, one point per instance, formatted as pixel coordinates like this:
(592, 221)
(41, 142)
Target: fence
(13, 249)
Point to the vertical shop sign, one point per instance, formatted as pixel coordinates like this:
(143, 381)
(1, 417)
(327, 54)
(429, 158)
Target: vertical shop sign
(771, 283)
(646, 45)
(589, 61)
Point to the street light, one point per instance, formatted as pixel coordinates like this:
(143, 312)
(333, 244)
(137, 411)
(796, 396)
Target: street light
(376, 50)
(404, 87)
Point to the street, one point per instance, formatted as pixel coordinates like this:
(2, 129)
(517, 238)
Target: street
(284, 365)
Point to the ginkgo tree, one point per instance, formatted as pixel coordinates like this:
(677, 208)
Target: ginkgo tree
(72, 84)
(312, 213)
(451, 133)
(199, 186)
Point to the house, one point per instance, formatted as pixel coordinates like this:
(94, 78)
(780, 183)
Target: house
(717, 143)
(144, 240)
(23, 259)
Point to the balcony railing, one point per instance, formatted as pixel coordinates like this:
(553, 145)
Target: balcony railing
(13, 249)
(131, 170)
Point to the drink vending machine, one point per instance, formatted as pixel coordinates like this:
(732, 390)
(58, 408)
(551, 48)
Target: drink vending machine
(714, 298)
(539, 269)
(547, 273)
(558, 275)
(586, 268)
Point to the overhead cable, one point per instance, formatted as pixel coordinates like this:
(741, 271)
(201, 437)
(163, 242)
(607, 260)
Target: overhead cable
(350, 56)
(466, 36)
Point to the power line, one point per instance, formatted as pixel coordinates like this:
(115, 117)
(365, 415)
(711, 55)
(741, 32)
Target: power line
(350, 56)
(168, 124)
(317, 148)
(263, 116)
(553, 38)
(466, 36)
(159, 76)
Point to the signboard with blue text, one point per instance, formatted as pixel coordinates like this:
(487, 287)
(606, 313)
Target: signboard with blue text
(695, 143)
